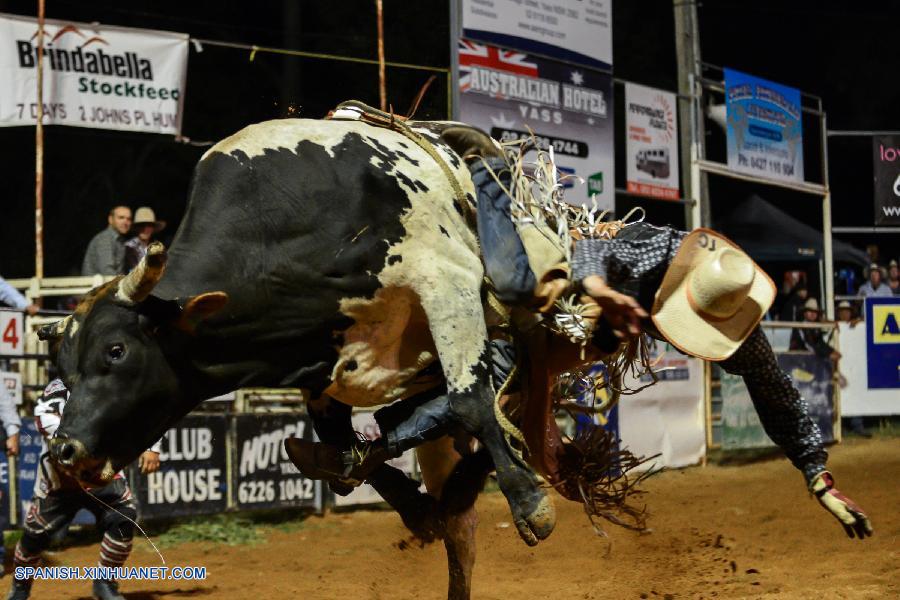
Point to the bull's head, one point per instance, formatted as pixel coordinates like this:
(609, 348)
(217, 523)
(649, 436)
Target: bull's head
(120, 356)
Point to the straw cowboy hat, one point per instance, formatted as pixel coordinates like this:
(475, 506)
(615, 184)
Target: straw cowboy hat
(711, 297)
(145, 216)
(811, 304)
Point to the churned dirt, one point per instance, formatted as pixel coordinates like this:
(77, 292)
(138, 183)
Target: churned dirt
(746, 531)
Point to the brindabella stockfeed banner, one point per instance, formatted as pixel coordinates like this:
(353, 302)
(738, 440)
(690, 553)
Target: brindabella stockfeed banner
(94, 76)
(509, 94)
(764, 129)
(651, 144)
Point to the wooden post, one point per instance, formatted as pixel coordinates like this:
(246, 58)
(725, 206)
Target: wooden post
(39, 152)
(382, 86)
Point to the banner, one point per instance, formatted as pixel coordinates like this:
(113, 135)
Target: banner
(883, 342)
(192, 479)
(887, 179)
(94, 75)
(364, 423)
(578, 31)
(27, 466)
(858, 399)
(507, 93)
(13, 384)
(668, 417)
(764, 128)
(811, 375)
(264, 475)
(12, 332)
(651, 144)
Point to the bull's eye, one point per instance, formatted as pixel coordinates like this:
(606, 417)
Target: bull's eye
(115, 352)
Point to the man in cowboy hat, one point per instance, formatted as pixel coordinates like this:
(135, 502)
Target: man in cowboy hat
(845, 313)
(813, 340)
(875, 286)
(145, 226)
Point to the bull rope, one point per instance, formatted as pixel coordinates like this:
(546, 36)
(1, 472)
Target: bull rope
(127, 518)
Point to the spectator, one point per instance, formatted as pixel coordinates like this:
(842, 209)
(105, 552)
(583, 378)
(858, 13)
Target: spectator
(874, 287)
(790, 310)
(845, 313)
(813, 339)
(105, 254)
(10, 296)
(893, 281)
(145, 226)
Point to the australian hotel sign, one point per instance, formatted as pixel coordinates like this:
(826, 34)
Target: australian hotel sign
(94, 75)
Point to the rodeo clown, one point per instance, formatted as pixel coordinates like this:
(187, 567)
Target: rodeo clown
(57, 497)
(698, 291)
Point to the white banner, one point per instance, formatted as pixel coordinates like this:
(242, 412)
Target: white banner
(12, 333)
(13, 384)
(668, 417)
(94, 76)
(578, 31)
(652, 142)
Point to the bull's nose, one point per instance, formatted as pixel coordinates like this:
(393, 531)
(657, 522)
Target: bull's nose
(66, 451)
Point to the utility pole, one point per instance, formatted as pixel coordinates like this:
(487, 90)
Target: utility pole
(693, 137)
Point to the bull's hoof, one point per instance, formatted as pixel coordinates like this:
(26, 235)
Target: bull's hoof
(538, 523)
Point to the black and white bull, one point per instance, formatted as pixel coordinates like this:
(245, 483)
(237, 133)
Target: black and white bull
(331, 255)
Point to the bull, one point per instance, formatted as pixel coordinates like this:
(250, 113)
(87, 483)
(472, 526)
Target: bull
(329, 255)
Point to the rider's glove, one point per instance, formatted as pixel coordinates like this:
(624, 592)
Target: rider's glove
(851, 516)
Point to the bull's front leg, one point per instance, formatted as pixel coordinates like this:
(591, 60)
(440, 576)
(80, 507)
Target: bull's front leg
(473, 408)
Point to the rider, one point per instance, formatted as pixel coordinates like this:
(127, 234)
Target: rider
(695, 290)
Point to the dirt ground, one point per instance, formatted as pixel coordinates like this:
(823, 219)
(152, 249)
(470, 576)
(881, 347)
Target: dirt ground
(746, 531)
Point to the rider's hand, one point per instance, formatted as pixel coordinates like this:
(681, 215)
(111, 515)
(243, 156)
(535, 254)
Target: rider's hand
(851, 516)
(623, 313)
(149, 462)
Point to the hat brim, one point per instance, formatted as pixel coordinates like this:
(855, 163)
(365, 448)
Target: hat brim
(690, 332)
(157, 225)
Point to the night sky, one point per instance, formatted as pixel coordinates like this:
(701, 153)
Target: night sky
(844, 52)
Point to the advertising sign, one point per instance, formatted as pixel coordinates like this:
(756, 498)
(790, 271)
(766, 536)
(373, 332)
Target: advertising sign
(12, 333)
(192, 478)
(27, 463)
(887, 179)
(509, 94)
(883, 342)
(666, 418)
(764, 128)
(811, 375)
(651, 142)
(94, 75)
(264, 475)
(12, 382)
(578, 31)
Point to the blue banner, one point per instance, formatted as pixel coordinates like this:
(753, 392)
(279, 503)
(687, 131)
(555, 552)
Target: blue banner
(764, 129)
(883, 342)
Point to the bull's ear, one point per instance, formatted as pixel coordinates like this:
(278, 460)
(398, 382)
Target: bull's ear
(201, 307)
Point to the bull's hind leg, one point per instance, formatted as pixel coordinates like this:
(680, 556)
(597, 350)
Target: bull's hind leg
(456, 484)
(460, 337)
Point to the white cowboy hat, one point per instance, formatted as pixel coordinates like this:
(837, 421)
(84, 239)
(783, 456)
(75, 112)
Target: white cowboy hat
(811, 304)
(711, 297)
(145, 215)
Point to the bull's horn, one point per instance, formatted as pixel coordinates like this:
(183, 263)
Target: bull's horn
(137, 285)
(52, 331)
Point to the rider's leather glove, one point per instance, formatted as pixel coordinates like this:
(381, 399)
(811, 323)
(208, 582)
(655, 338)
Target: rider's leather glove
(851, 516)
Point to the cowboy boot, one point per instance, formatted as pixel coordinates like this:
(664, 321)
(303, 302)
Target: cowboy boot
(20, 590)
(106, 589)
(318, 460)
